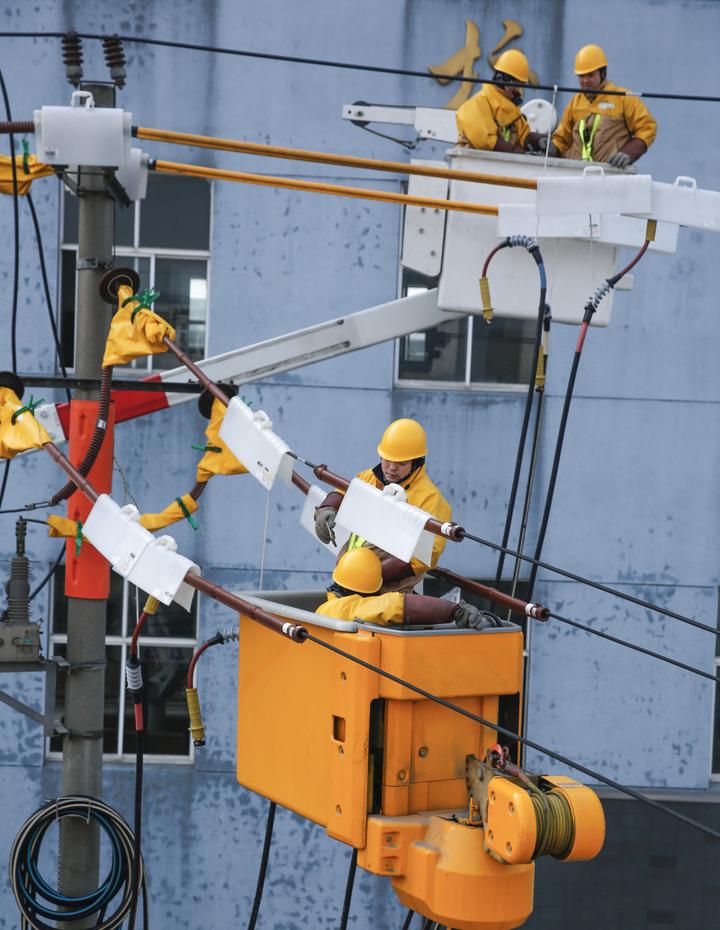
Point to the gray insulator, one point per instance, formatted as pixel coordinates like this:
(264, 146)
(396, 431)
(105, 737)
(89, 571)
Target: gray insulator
(527, 242)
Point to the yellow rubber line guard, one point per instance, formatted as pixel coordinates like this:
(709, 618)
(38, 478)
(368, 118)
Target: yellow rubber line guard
(318, 187)
(325, 158)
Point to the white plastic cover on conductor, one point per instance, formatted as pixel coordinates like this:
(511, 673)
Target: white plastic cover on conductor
(315, 496)
(250, 438)
(134, 174)
(684, 203)
(83, 135)
(147, 561)
(594, 192)
(387, 521)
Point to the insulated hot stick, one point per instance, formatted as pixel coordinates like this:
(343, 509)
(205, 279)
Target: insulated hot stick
(536, 611)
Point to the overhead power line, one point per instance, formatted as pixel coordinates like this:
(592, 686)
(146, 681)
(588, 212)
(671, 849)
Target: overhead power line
(344, 65)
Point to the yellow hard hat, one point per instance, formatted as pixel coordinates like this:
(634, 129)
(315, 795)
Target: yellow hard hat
(403, 441)
(359, 570)
(590, 58)
(514, 63)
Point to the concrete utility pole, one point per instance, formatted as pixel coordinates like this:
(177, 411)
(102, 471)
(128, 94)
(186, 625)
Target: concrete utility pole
(84, 699)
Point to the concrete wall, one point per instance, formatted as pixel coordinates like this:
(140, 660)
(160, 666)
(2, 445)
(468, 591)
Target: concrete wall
(637, 501)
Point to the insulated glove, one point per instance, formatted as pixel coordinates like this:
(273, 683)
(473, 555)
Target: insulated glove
(553, 151)
(619, 160)
(325, 524)
(467, 616)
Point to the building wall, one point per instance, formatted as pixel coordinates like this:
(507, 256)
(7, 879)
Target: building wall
(637, 501)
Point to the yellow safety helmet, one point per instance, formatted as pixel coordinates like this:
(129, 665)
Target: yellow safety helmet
(590, 58)
(514, 63)
(403, 441)
(359, 570)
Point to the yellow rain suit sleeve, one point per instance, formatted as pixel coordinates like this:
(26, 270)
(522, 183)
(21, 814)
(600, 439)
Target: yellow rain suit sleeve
(62, 527)
(173, 513)
(133, 338)
(378, 608)
(36, 169)
(481, 118)
(222, 462)
(24, 434)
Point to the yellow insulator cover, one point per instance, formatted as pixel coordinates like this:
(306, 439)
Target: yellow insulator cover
(511, 826)
(36, 169)
(25, 433)
(130, 337)
(197, 730)
(588, 815)
(173, 513)
(486, 300)
(62, 527)
(214, 462)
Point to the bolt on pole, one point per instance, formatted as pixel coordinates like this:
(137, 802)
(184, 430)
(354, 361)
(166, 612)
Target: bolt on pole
(79, 852)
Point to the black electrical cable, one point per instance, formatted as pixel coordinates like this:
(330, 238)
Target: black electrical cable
(46, 288)
(259, 888)
(36, 506)
(352, 869)
(532, 247)
(344, 65)
(49, 575)
(647, 652)
(581, 579)
(137, 837)
(408, 919)
(524, 740)
(590, 309)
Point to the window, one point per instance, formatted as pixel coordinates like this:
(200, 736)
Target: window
(715, 776)
(465, 352)
(166, 239)
(166, 647)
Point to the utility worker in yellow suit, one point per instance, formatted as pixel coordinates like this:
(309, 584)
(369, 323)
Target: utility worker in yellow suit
(492, 119)
(355, 595)
(402, 452)
(597, 126)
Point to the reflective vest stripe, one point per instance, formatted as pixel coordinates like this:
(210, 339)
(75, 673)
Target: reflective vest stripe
(586, 154)
(355, 542)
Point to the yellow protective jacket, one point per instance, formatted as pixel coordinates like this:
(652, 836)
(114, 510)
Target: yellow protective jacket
(482, 117)
(377, 608)
(421, 492)
(620, 119)
(36, 169)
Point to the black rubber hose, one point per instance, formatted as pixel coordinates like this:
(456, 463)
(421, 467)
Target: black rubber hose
(349, 890)
(408, 920)
(96, 442)
(272, 807)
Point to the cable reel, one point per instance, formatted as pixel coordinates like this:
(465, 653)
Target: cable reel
(525, 816)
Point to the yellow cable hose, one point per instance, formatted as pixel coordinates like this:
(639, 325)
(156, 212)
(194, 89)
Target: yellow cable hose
(318, 187)
(555, 824)
(326, 158)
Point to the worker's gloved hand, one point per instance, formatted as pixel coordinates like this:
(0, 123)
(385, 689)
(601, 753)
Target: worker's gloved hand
(325, 524)
(619, 160)
(468, 617)
(553, 151)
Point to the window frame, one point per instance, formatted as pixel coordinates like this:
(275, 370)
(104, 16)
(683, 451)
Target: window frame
(122, 641)
(715, 727)
(135, 251)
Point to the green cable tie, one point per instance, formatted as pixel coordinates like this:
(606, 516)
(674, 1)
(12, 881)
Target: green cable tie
(186, 513)
(29, 407)
(206, 448)
(26, 156)
(145, 301)
(78, 538)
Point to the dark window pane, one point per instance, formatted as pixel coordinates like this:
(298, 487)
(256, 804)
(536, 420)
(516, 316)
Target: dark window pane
(176, 214)
(70, 218)
(502, 353)
(171, 620)
(166, 721)
(716, 739)
(113, 673)
(182, 284)
(437, 354)
(114, 604)
(67, 306)
(124, 224)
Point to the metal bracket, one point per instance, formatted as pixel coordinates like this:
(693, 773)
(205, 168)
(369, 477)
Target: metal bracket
(93, 264)
(71, 667)
(47, 719)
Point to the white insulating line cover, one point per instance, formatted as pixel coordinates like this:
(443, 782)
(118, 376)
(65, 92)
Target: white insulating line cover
(315, 496)
(387, 521)
(684, 203)
(152, 563)
(249, 436)
(594, 192)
